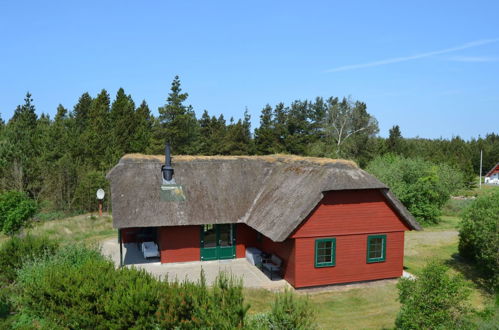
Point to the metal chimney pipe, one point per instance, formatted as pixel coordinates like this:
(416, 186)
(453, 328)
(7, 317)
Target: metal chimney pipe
(167, 169)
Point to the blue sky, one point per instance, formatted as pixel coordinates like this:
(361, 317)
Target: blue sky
(431, 67)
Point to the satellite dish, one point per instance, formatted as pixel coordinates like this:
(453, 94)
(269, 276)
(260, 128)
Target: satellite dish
(100, 194)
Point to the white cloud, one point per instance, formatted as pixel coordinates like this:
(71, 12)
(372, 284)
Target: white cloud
(474, 59)
(413, 57)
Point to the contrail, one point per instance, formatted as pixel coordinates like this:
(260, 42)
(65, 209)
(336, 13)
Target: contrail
(413, 57)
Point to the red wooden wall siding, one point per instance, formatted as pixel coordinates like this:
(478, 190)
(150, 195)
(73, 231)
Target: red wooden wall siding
(351, 265)
(350, 212)
(284, 250)
(245, 237)
(128, 235)
(179, 243)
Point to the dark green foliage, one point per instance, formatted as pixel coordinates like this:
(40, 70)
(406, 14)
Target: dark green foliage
(79, 289)
(141, 139)
(18, 250)
(195, 306)
(422, 186)
(395, 142)
(435, 300)
(16, 209)
(479, 237)
(97, 136)
(238, 137)
(123, 125)
(177, 123)
(84, 196)
(20, 153)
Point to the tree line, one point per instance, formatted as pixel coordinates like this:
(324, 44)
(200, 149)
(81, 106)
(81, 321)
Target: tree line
(61, 161)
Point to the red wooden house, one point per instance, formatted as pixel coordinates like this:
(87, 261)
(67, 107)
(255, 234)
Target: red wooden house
(492, 176)
(329, 221)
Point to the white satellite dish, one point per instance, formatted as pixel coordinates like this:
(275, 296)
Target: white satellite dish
(100, 194)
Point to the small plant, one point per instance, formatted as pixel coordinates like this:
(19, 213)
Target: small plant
(435, 300)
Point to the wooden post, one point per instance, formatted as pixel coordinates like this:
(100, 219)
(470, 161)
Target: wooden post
(121, 247)
(100, 207)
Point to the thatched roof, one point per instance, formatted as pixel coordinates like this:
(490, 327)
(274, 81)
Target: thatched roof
(271, 194)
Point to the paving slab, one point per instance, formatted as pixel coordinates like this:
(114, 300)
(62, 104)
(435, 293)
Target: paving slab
(251, 276)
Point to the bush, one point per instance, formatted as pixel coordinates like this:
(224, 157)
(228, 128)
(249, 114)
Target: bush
(288, 312)
(435, 300)
(18, 250)
(78, 288)
(479, 237)
(189, 305)
(422, 186)
(16, 208)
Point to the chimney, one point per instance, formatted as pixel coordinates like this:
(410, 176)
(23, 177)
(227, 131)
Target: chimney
(167, 169)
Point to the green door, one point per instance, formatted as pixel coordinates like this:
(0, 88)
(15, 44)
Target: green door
(217, 242)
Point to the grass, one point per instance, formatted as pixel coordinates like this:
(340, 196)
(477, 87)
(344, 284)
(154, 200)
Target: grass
(372, 307)
(81, 228)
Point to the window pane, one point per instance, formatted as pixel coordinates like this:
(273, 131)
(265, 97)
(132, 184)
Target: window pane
(324, 252)
(210, 236)
(376, 248)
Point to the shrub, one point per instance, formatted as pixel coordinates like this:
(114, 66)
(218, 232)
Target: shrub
(18, 250)
(189, 305)
(422, 186)
(78, 288)
(16, 208)
(287, 312)
(479, 237)
(435, 300)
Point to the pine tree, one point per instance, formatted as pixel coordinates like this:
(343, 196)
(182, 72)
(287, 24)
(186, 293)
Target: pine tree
(205, 134)
(238, 137)
(265, 136)
(280, 127)
(123, 124)
(21, 150)
(81, 111)
(178, 122)
(143, 129)
(96, 137)
(395, 140)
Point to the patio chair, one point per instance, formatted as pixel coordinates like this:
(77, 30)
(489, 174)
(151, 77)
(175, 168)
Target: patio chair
(272, 265)
(149, 250)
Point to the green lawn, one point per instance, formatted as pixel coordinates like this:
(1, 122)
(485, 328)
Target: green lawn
(374, 306)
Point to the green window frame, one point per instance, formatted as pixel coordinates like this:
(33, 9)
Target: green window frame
(325, 252)
(376, 248)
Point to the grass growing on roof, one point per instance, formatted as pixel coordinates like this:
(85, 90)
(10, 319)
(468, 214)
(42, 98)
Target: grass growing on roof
(285, 158)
